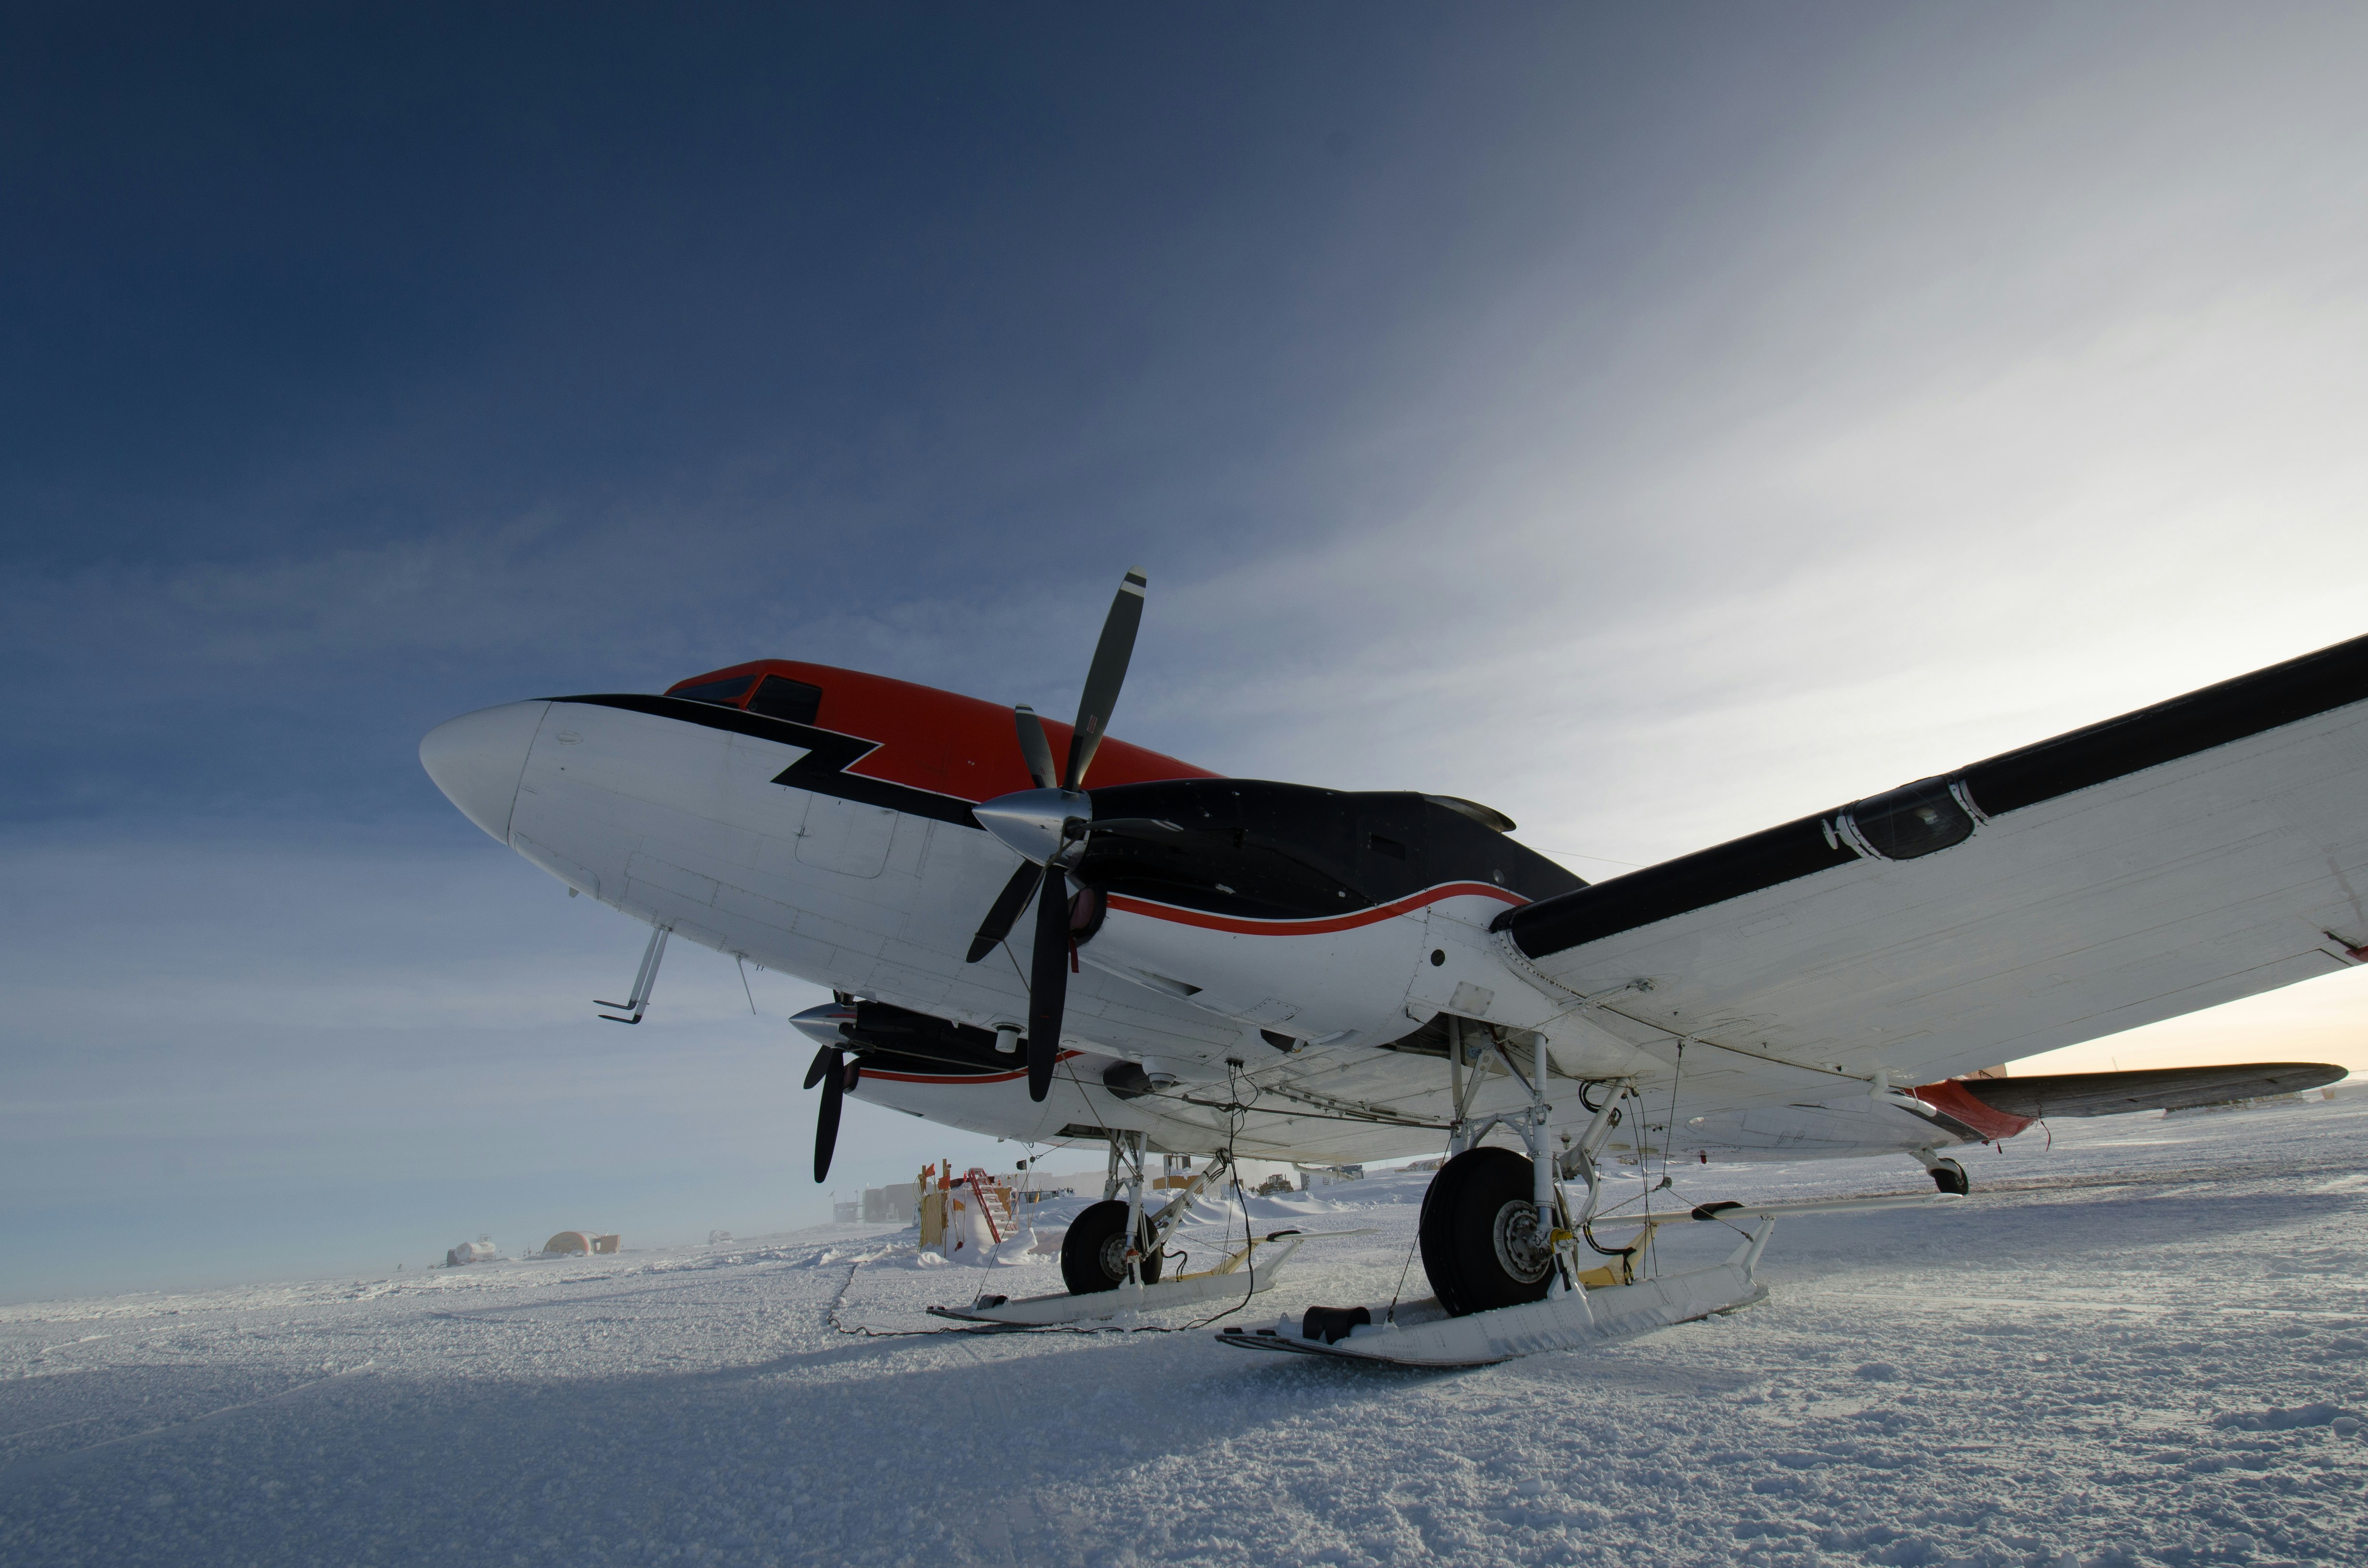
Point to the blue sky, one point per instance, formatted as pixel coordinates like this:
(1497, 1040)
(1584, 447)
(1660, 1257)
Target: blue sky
(1656, 422)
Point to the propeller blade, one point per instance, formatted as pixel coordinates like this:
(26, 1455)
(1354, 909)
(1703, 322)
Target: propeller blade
(834, 1087)
(1035, 748)
(1106, 674)
(821, 1064)
(1048, 981)
(1006, 914)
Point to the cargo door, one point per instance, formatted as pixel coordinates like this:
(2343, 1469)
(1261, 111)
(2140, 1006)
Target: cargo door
(845, 836)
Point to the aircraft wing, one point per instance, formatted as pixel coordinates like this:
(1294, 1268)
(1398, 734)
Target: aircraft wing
(2188, 854)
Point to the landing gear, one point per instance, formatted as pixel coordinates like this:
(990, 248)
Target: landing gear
(1482, 1244)
(1495, 1229)
(1947, 1175)
(1092, 1255)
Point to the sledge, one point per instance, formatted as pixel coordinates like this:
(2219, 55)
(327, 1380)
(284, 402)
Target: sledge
(1572, 1316)
(1244, 1272)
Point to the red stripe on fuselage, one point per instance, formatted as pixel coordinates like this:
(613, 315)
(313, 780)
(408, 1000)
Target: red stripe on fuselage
(945, 743)
(1172, 914)
(1953, 1100)
(958, 1077)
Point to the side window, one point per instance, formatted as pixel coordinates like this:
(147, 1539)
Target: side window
(777, 698)
(727, 692)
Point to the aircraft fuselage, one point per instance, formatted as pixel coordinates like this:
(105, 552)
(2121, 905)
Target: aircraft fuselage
(818, 822)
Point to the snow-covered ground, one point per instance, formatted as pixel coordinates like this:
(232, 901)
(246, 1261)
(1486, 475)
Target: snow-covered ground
(2146, 1345)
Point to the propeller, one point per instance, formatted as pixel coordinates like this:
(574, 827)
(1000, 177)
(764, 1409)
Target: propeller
(1005, 912)
(1037, 752)
(1043, 823)
(1035, 748)
(1048, 981)
(831, 1070)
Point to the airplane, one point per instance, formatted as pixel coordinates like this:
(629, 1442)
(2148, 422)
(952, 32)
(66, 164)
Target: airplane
(1042, 933)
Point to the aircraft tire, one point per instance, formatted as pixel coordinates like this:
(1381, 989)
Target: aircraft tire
(1950, 1176)
(1476, 1216)
(1092, 1255)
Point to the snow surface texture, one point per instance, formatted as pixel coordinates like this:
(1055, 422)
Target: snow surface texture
(2146, 1345)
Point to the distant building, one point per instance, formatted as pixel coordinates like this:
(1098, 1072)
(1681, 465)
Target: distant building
(1314, 1176)
(479, 1251)
(579, 1244)
(890, 1205)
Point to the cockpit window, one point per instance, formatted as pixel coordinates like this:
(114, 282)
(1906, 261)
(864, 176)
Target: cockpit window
(780, 697)
(727, 692)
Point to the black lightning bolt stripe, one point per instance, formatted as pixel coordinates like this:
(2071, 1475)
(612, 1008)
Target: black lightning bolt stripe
(823, 770)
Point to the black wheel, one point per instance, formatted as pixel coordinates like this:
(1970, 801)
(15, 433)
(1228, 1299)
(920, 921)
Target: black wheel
(1481, 1244)
(1950, 1176)
(1092, 1255)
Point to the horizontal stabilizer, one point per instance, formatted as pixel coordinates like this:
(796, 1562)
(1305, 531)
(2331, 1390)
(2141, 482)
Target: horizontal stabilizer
(2156, 1089)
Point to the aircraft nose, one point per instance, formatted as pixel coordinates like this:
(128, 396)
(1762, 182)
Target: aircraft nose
(478, 758)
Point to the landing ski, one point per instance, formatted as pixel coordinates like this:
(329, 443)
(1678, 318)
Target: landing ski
(1423, 1334)
(1247, 1271)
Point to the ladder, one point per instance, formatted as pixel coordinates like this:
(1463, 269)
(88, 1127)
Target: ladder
(994, 1202)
